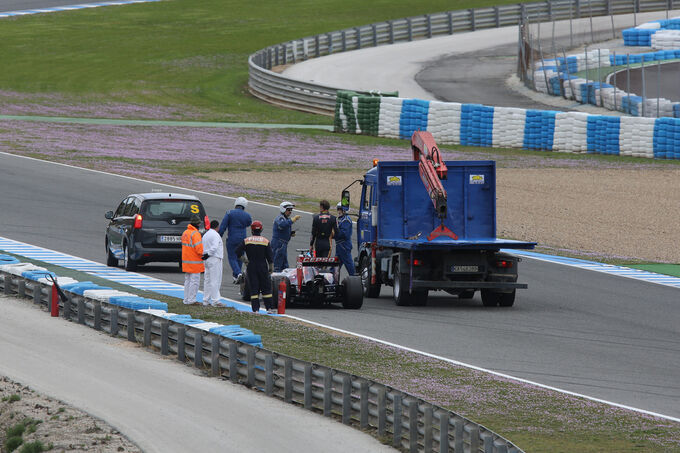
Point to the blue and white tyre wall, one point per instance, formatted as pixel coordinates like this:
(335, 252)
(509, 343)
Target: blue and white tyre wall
(502, 127)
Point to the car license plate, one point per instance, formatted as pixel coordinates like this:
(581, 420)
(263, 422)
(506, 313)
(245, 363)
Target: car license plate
(169, 239)
(457, 268)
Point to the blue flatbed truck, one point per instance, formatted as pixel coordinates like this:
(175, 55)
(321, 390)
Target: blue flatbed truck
(398, 244)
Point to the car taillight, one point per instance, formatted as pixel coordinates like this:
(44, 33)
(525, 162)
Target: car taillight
(504, 264)
(415, 262)
(207, 222)
(138, 221)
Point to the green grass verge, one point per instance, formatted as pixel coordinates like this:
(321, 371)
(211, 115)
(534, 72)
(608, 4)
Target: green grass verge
(536, 419)
(666, 269)
(178, 52)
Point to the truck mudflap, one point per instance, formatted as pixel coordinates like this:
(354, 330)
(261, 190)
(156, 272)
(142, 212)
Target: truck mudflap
(438, 284)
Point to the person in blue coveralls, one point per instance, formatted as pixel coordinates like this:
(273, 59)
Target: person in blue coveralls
(282, 232)
(343, 239)
(235, 222)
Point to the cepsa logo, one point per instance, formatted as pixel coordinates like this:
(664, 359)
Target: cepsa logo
(476, 179)
(394, 180)
(309, 259)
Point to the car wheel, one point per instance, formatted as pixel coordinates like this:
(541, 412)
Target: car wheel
(401, 295)
(111, 260)
(128, 263)
(507, 299)
(492, 298)
(366, 277)
(354, 293)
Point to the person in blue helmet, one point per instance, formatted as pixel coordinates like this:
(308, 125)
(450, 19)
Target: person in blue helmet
(343, 239)
(282, 232)
(235, 222)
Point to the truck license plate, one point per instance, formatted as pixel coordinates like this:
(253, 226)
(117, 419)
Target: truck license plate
(456, 268)
(169, 239)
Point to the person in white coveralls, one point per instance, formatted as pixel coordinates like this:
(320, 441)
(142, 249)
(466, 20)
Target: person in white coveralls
(213, 254)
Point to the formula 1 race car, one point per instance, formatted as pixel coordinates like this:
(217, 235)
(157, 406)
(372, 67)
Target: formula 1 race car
(314, 281)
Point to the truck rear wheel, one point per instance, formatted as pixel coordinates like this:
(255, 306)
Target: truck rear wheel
(366, 276)
(354, 293)
(419, 298)
(401, 295)
(492, 298)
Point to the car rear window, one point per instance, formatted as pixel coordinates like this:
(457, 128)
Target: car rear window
(171, 209)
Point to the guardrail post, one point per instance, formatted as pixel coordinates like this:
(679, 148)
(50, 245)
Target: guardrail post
(181, 344)
(81, 310)
(450, 17)
(346, 400)
(317, 45)
(343, 38)
(444, 433)
(37, 293)
(164, 337)
(357, 30)
(487, 443)
(374, 27)
(409, 26)
(285, 54)
(396, 426)
(429, 25)
(427, 428)
(473, 25)
(382, 411)
(268, 375)
(198, 349)
(147, 330)
(288, 380)
(7, 283)
(577, 3)
(329, 38)
(459, 429)
(276, 55)
(363, 404)
(21, 288)
(550, 14)
(327, 392)
(308, 386)
(130, 320)
(233, 362)
(391, 31)
(97, 315)
(474, 437)
(500, 447)
(67, 307)
(215, 368)
(497, 13)
(113, 322)
(250, 360)
(413, 426)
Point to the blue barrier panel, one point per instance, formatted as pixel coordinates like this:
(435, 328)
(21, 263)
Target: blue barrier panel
(37, 275)
(667, 138)
(539, 129)
(413, 117)
(8, 259)
(476, 125)
(138, 303)
(81, 287)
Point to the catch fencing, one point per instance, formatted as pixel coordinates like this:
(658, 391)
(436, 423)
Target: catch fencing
(267, 83)
(407, 422)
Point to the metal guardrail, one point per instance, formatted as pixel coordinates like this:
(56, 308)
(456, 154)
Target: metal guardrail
(278, 89)
(408, 422)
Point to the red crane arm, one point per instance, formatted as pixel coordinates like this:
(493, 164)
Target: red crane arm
(432, 170)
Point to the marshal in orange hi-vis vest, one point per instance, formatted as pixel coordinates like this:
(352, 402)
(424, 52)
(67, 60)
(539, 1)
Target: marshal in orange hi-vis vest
(192, 251)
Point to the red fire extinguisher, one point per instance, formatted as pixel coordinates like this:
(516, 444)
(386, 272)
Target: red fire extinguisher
(282, 297)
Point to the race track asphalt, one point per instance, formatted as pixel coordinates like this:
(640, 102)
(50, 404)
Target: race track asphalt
(22, 5)
(596, 334)
(662, 81)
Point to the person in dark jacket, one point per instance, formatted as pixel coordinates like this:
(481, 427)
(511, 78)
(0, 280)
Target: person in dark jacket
(235, 223)
(281, 234)
(259, 265)
(323, 229)
(343, 239)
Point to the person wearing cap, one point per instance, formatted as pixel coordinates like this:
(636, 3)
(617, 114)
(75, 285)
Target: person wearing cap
(235, 222)
(343, 239)
(192, 260)
(259, 265)
(323, 230)
(282, 232)
(213, 254)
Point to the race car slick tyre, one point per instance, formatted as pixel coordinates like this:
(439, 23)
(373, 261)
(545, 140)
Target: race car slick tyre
(111, 260)
(128, 263)
(366, 276)
(493, 298)
(354, 293)
(244, 288)
(401, 294)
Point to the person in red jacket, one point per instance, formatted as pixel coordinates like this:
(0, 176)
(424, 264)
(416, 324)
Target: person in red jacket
(192, 260)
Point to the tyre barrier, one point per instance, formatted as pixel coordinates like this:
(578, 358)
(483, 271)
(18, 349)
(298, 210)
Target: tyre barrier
(407, 422)
(657, 34)
(504, 127)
